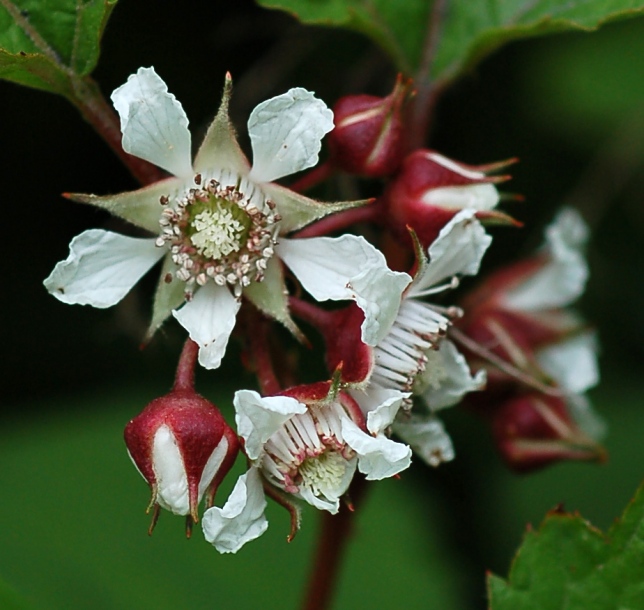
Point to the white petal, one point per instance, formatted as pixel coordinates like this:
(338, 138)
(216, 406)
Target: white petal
(572, 363)
(348, 267)
(378, 457)
(585, 417)
(153, 123)
(209, 318)
(427, 438)
(456, 379)
(388, 403)
(170, 473)
(212, 466)
(471, 196)
(286, 134)
(242, 517)
(258, 418)
(101, 268)
(562, 279)
(457, 250)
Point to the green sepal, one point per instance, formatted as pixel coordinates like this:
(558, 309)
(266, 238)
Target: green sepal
(270, 296)
(168, 296)
(220, 148)
(141, 207)
(297, 210)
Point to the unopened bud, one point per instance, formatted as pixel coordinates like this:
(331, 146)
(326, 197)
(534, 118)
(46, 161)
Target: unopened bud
(183, 448)
(368, 138)
(534, 430)
(430, 189)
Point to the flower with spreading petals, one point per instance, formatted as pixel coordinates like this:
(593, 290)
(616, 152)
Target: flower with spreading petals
(218, 221)
(409, 353)
(307, 443)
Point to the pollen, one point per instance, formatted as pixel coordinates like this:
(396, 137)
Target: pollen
(220, 234)
(324, 472)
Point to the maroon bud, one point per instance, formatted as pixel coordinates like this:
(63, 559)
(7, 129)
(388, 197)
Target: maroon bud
(183, 448)
(368, 139)
(430, 189)
(534, 430)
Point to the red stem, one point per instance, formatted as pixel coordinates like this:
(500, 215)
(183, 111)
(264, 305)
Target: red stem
(260, 348)
(185, 375)
(100, 115)
(342, 220)
(314, 315)
(313, 178)
(333, 537)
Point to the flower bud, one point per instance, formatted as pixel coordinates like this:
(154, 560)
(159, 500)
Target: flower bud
(534, 430)
(183, 448)
(368, 136)
(430, 189)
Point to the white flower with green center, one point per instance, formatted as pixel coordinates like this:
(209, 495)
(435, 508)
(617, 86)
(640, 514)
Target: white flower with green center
(217, 221)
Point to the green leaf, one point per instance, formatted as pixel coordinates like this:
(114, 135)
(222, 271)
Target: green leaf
(469, 29)
(9, 599)
(50, 45)
(397, 26)
(569, 565)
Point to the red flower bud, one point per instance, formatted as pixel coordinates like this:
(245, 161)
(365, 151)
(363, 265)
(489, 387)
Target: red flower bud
(430, 189)
(183, 448)
(534, 430)
(368, 136)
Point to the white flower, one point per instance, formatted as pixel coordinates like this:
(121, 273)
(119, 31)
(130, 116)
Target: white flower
(219, 220)
(307, 444)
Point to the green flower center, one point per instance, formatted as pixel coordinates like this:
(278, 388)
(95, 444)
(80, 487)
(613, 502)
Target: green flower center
(218, 234)
(323, 472)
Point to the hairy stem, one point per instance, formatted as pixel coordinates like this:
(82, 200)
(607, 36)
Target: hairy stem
(260, 348)
(185, 375)
(333, 538)
(313, 178)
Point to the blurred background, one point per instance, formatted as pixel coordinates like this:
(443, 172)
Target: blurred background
(570, 107)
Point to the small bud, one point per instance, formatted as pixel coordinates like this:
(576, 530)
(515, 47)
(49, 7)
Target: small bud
(368, 135)
(183, 448)
(430, 189)
(534, 430)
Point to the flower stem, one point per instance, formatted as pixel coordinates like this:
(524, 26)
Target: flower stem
(341, 220)
(333, 538)
(185, 375)
(260, 348)
(99, 114)
(313, 178)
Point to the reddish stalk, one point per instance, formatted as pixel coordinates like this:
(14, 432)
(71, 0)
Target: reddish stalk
(333, 537)
(260, 348)
(314, 315)
(185, 375)
(313, 178)
(100, 115)
(341, 220)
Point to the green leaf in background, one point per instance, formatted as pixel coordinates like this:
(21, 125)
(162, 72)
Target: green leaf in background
(569, 565)
(49, 45)
(397, 26)
(470, 30)
(9, 599)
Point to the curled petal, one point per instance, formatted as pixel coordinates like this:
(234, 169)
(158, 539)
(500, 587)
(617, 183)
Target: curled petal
(388, 404)
(101, 268)
(344, 268)
(286, 134)
(562, 277)
(209, 318)
(427, 438)
(469, 196)
(170, 472)
(153, 123)
(572, 363)
(241, 519)
(447, 386)
(258, 418)
(378, 457)
(457, 250)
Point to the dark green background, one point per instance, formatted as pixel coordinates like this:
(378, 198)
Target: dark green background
(73, 529)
